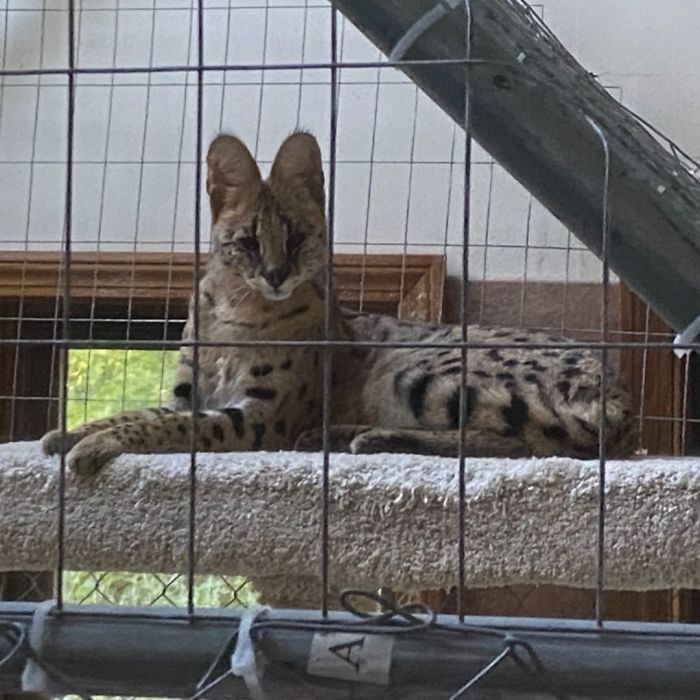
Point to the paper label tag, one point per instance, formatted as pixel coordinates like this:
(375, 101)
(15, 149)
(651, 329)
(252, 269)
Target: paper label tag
(365, 658)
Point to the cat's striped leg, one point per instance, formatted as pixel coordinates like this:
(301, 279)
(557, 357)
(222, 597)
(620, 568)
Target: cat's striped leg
(228, 430)
(440, 443)
(57, 442)
(364, 439)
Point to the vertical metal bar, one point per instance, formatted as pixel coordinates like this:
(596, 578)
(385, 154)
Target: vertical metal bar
(103, 189)
(602, 425)
(305, 23)
(643, 388)
(464, 307)
(226, 62)
(523, 289)
(684, 409)
(370, 184)
(139, 204)
(411, 157)
(178, 175)
(30, 192)
(66, 263)
(261, 99)
(191, 549)
(328, 327)
(484, 270)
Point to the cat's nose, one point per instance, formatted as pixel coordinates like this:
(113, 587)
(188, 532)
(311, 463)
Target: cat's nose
(275, 276)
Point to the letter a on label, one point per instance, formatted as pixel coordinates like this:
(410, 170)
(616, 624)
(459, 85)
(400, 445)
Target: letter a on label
(364, 658)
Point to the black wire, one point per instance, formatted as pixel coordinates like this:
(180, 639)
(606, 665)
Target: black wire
(395, 620)
(16, 633)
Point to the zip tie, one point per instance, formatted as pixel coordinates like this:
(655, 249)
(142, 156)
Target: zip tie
(421, 26)
(243, 659)
(687, 337)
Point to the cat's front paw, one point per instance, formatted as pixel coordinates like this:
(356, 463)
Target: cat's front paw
(92, 453)
(56, 442)
(339, 437)
(309, 441)
(380, 440)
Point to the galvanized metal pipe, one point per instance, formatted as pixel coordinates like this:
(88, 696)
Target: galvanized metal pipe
(162, 652)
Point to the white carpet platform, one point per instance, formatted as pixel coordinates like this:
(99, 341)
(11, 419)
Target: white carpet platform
(394, 520)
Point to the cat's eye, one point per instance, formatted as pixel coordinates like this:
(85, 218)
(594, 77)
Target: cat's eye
(294, 241)
(249, 244)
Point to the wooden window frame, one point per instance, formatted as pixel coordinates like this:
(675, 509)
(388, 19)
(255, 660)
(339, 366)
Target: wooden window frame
(412, 284)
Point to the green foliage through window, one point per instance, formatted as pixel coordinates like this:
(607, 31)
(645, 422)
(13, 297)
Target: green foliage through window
(103, 382)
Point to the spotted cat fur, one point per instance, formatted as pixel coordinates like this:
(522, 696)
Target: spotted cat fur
(264, 282)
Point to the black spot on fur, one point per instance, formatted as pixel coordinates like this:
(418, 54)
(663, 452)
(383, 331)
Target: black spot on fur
(551, 353)
(451, 370)
(505, 375)
(259, 433)
(287, 364)
(554, 432)
(261, 392)
(532, 378)
(383, 335)
(511, 363)
(206, 444)
(359, 353)
(495, 355)
(572, 372)
(182, 428)
(416, 394)
(398, 378)
(521, 339)
(453, 406)
(586, 392)
(297, 311)
(571, 360)
(442, 353)
(183, 391)
(481, 373)
(261, 370)
(564, 388)
(218, 433)
(451, 361)
(501, 334)
(515, 416)
(280, 427)
(536, 366)
(235, 415)
(209, 298)
(587, 427)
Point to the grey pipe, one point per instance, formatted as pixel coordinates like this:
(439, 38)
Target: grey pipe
(159, 652)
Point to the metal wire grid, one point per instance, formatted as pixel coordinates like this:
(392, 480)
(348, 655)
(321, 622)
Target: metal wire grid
(337, 66)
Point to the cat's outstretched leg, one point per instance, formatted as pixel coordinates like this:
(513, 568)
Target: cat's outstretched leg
(229, 430)
(57, 442)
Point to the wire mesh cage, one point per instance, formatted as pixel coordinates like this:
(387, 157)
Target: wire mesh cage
(107, 113)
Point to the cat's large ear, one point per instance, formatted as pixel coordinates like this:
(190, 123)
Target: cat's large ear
(233, 177)
(298, 164)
